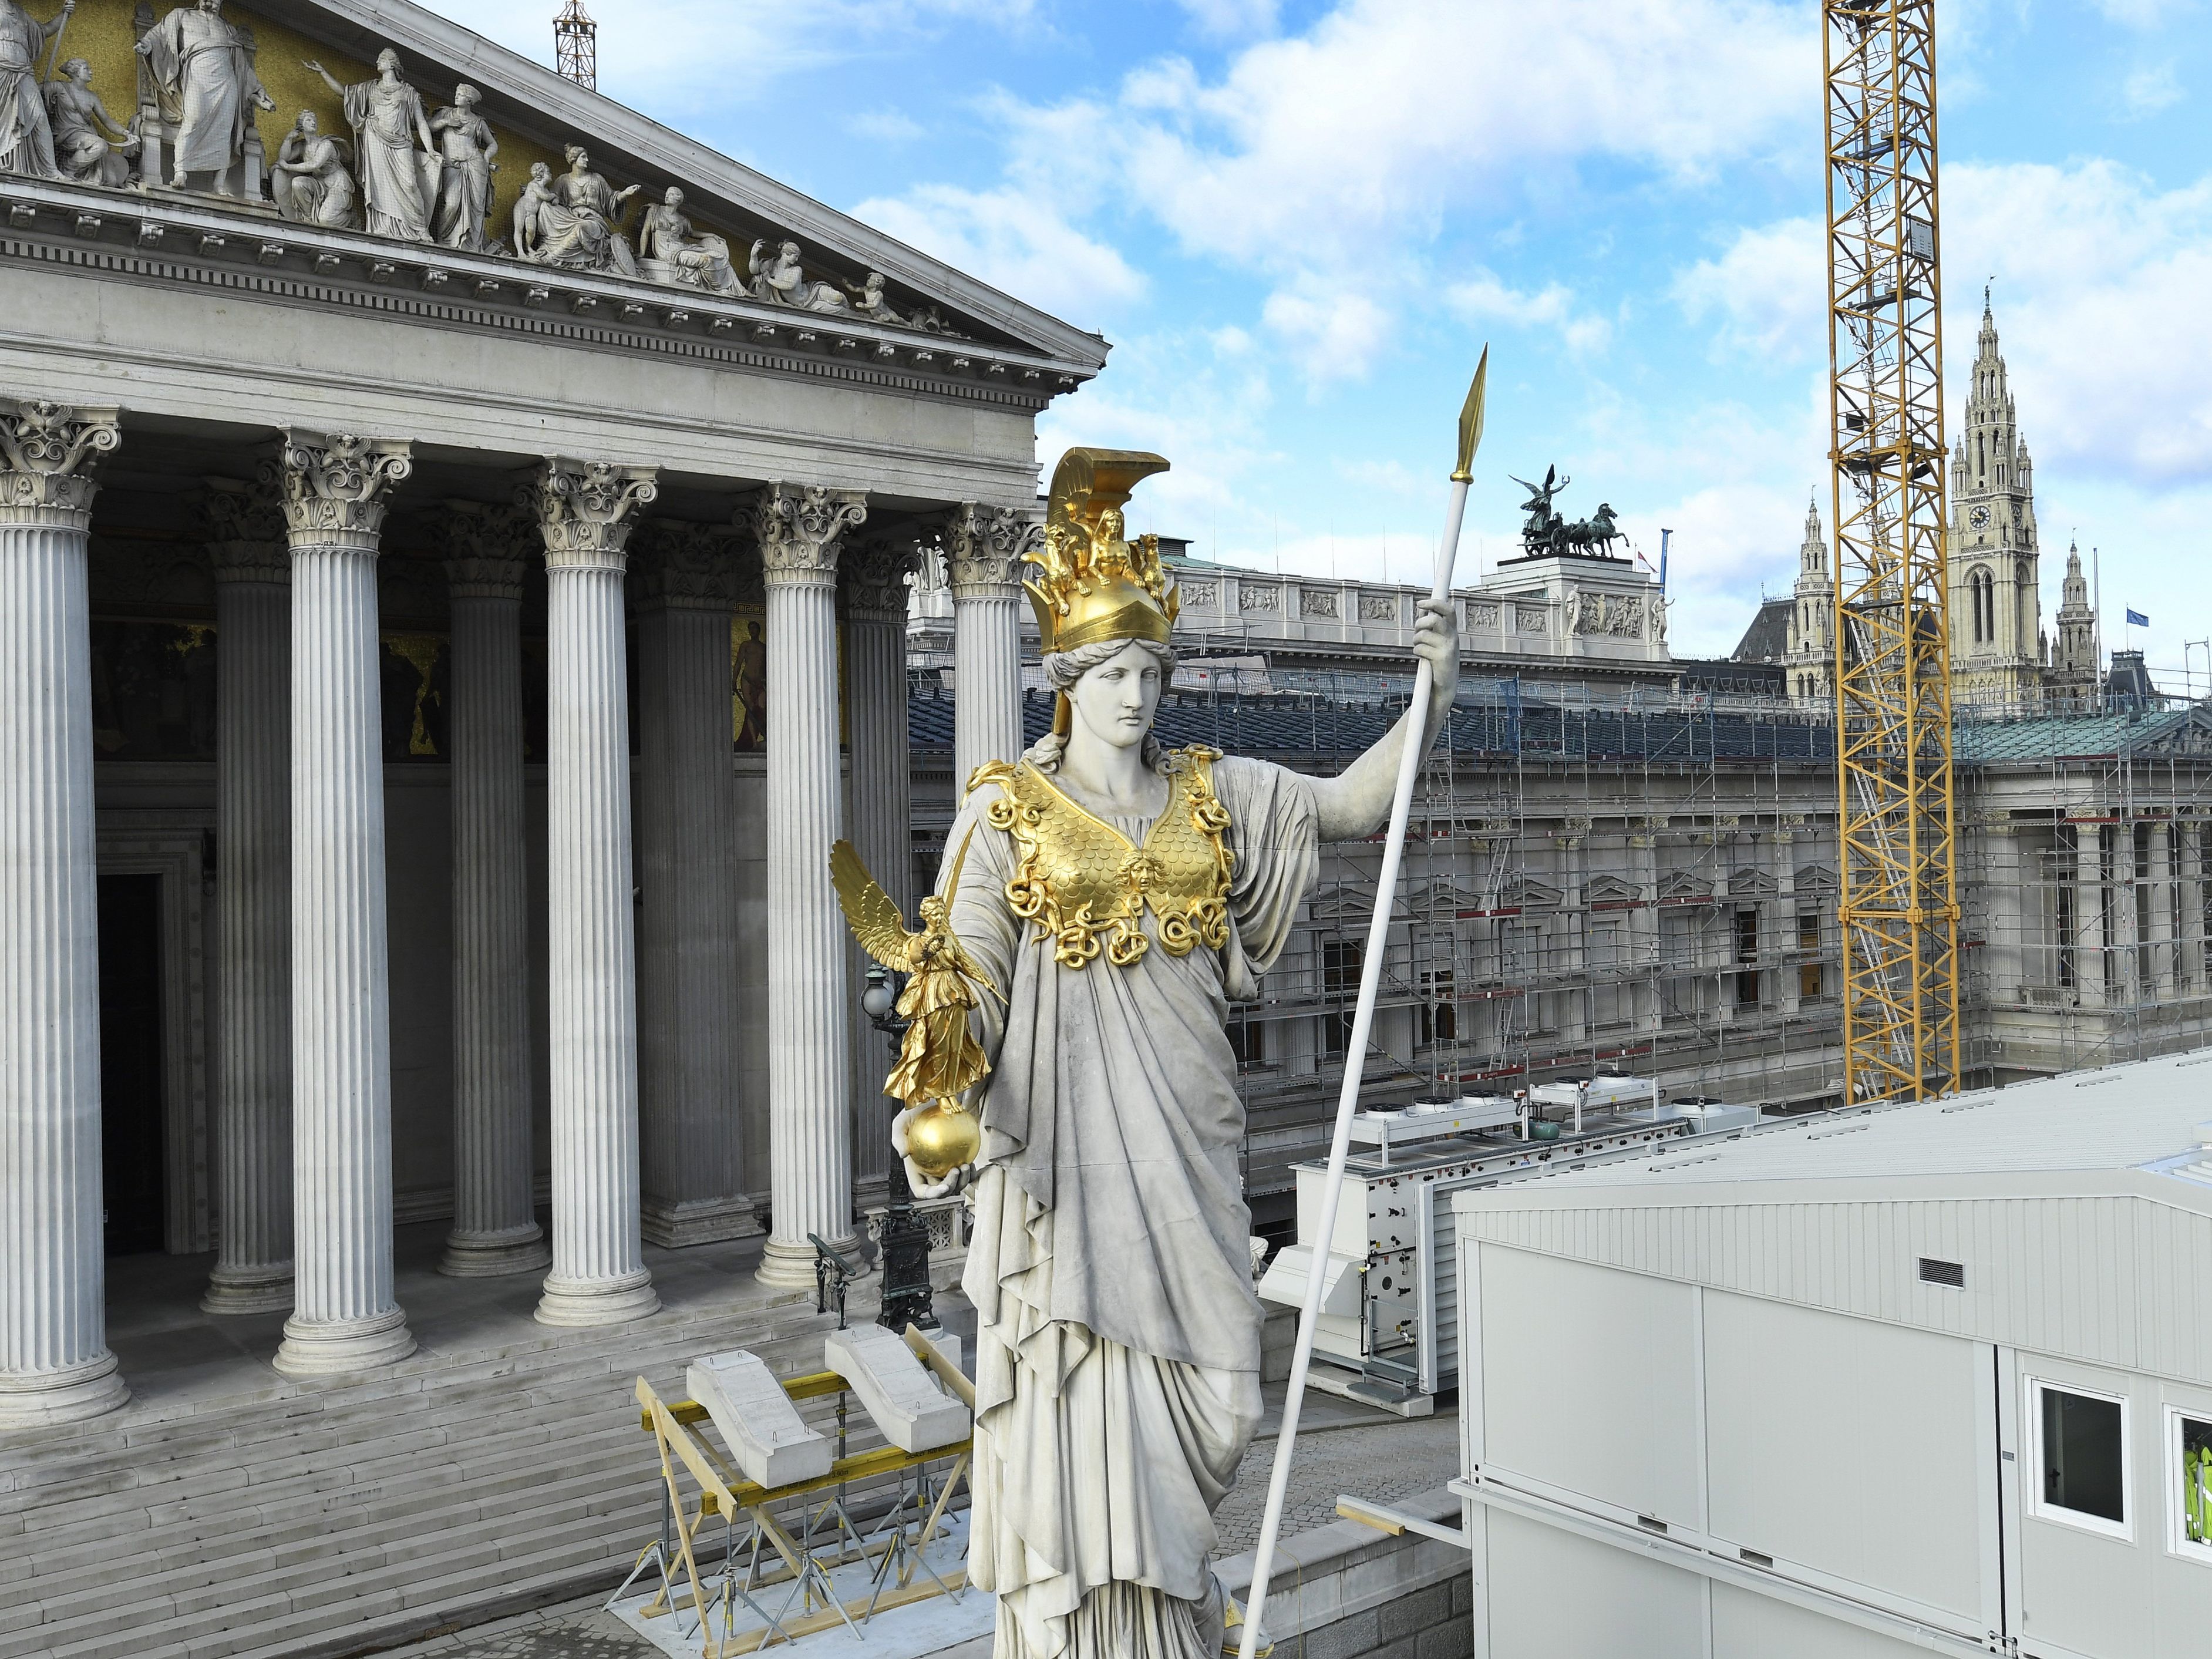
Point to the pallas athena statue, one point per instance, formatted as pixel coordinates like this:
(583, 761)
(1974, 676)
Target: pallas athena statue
(1112, 898)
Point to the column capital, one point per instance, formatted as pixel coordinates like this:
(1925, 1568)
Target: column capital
(876, 578)
(46, 456)
(334, 486)
(985, 546)
(585, 510)
(487, 547)
(244, 524)
(801, 528)
(686, 567)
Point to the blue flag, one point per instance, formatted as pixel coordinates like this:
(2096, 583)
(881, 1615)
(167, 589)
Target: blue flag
(2136, 619)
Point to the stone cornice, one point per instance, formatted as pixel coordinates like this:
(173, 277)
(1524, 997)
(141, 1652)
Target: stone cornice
(585, 510)
(685, 567)
(47, 457)
(335, 487)
(207, 246)
(984, 548)
(800, 529)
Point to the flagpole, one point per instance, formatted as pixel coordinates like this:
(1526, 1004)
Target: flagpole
(1355, 1047)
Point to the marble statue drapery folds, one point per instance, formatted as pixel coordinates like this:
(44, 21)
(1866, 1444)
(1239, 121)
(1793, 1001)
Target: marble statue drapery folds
(207, 82)
(1109, 1266)
(27, 142)
(468, 153)
(398, 179)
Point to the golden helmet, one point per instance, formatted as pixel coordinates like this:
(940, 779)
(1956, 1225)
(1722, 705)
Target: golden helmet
(1094, 583)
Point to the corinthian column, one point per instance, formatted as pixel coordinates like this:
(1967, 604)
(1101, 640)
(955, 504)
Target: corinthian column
(984, 547)
(253, 896)
(583, 510)
(810, 1069)
(690, 1136)
(54, 1363)
(882, 793)
(344, 1316)
(495, 1222)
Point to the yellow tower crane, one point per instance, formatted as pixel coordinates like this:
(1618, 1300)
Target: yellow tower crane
(1899, 910)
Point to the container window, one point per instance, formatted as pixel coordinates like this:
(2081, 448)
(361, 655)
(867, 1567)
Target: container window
(2080, 1457)
(2189, 1447)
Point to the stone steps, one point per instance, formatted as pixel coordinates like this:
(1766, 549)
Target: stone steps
(336, 1517)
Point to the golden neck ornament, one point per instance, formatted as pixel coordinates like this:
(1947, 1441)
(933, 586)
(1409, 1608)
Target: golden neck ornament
(1086, 885)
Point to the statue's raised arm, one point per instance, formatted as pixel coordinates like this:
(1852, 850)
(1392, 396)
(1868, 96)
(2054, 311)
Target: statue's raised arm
(1133, 893)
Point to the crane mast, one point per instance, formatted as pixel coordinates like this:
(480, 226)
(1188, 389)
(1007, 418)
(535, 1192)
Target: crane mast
(1899, 876)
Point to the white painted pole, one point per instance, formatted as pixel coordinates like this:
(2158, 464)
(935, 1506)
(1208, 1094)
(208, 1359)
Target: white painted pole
(1355, 1054)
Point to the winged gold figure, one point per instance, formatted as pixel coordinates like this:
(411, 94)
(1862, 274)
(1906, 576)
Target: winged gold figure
(940, 1059)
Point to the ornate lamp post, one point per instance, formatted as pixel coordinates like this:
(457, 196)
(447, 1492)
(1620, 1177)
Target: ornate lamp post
(905, 1235)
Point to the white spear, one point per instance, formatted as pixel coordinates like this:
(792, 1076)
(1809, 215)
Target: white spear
(1355, 1049)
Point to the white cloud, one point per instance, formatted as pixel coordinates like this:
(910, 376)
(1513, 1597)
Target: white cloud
(2143, 13)
(664, 52)
(2150, 89)
(1768, 290)
(1334, 332)
(2100, 279)
(1483, 298)
(893, 126)
(1329, 161)
(1231, 19)
(1015, 240)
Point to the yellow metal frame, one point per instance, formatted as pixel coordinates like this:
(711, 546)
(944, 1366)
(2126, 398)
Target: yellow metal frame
(723, 1491)
(1899, 908)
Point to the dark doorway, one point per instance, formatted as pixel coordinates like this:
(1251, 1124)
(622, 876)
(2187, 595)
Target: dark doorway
(130, 1114)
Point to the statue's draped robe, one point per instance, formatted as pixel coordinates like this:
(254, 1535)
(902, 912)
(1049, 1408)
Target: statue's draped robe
(393, 182)
(207, 83)
(1118, 1350)
(27, 143)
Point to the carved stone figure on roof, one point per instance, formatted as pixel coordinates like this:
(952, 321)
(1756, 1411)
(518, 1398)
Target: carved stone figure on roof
(310, 181)
(674, 253)
(469, 155)
(588, 197)
(27, 139)
(202, 68)
(778, 278)
(1119, 895)
(870, 302)
(90, 145)
(398, 180)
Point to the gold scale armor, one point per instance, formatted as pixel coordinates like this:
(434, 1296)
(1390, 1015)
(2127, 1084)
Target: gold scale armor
(1084, 884)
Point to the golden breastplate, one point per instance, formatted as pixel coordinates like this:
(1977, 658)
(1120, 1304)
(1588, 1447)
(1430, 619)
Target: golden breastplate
(1081, 880)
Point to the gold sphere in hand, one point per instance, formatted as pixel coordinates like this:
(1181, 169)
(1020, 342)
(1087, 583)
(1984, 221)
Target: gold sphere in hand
(942, 1137)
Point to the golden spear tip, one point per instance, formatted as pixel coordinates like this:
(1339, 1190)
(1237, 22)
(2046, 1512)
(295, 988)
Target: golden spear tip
(1470, 420)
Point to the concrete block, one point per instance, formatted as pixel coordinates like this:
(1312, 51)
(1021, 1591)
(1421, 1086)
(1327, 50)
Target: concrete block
(757, 1419)
(1345, 1639)
(1453, 1639)
(896, 1389)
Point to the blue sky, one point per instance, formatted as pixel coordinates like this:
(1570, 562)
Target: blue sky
(1299, 221)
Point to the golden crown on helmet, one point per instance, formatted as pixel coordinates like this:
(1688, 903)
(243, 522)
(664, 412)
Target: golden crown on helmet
(1094, 584)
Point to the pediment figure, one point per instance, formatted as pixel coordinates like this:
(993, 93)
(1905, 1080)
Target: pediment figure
(1815, 878)
(1681, 884)
(1752, 884)
(1532, 894)
(1609, 889)
(383, 119)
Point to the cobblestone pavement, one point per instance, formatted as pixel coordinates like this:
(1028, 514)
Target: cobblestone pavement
(1341, 1450)
(1379, 1461)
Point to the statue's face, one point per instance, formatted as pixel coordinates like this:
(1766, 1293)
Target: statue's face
(675, 197)
(1116, 702)
(580, 163)
(308, 125)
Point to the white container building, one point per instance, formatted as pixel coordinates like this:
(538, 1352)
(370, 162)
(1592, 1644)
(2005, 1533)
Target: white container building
(1931, 1378)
